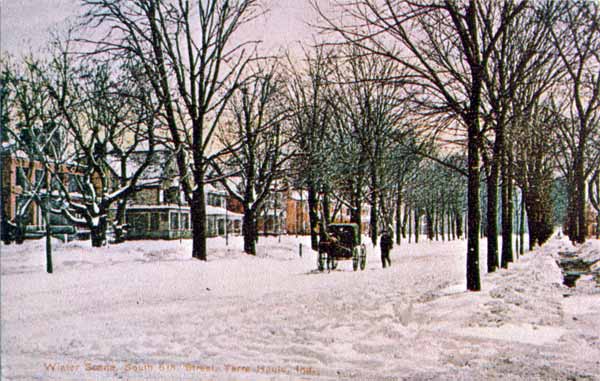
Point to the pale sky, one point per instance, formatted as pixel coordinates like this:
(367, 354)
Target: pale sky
(25, 24)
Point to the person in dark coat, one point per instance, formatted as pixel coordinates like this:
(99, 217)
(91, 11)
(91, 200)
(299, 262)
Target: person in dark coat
(386, 243)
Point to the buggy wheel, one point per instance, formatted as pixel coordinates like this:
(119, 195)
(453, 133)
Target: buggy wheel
(363, 257)
(355, 258)
(321, 261)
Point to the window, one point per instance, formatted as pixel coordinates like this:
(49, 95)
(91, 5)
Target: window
(214, 200)
(154, 222)
(139, 222)
(171, 195)
(27, 216)
(174, 221)
(40, 177)
(185, 221)
(21, 177)
(210, 227)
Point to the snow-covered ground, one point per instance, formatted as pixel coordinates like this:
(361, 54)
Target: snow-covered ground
(144, 310)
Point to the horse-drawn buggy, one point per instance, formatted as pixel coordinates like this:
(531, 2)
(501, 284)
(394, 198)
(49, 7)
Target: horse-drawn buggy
(341, 242)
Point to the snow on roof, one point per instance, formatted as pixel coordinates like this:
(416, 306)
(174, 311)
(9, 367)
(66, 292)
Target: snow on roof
(218, 211)
(158, 168)
(213, 188)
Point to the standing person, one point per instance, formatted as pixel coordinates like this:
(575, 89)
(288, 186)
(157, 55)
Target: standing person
(386, 243)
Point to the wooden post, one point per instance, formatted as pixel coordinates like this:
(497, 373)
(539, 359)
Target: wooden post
(49, 267)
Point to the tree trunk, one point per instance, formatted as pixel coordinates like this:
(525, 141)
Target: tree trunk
(449, 229)
(442, 219)
(326, 208)
(580, 198)
(374, 228)
(436, 224)
(459, 225)
(198, 214)
(398, 216)
(313, 216)
(507, 253)
(120, 218)
(98, 232)
(429, 221)
(492, 211)
(522, 225)
(409, 227)
(417, 227)
(514, 222)
(571, 225)
(539, 215)
(517, 224)
(452, 224)
(49, 267)
(483, 223)
(249, 230)
(473, 213)
(405, 220)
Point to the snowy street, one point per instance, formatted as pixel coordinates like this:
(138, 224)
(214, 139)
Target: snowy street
(219, 141)
(145, 310)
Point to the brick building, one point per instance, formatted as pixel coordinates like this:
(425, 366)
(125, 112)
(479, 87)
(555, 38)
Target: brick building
(20, 173)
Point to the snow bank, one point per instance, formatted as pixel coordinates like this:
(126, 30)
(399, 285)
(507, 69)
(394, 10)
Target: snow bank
(590, 253)
(146, 310)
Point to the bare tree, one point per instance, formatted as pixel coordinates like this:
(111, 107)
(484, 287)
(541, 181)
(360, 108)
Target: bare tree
(404, 163)
(524, 57)
(107, 117)
(257, 145)
(310, 122)
(37, 141)
(442, 44)
(574, 27)
(193, 66)
(535, 164)
(374, 106)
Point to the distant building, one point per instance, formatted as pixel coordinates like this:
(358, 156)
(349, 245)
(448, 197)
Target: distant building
(18, 173)
(159, 210)
(272, 220)
(297, 220)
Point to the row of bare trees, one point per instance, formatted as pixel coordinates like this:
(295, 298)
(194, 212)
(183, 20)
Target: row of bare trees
(511, 88)
(495, 69)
